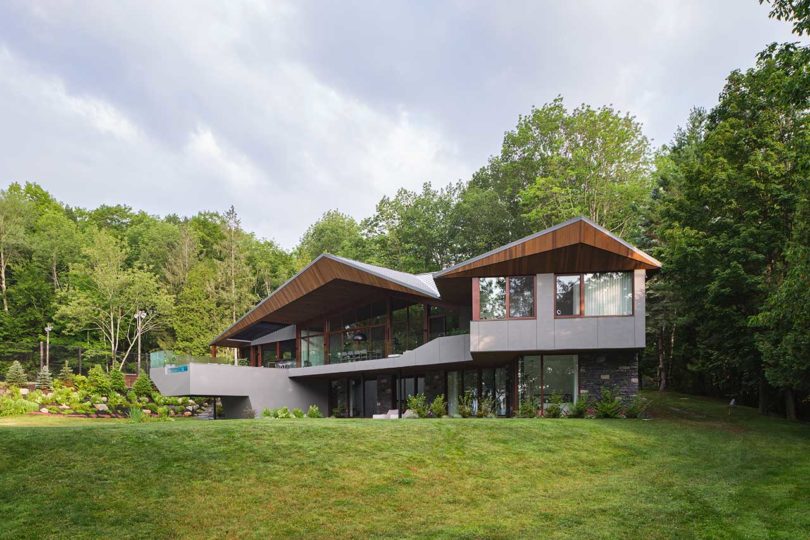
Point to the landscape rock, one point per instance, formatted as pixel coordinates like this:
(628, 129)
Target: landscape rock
(147, 412)
(24, 391)
(44, 410)
(64, 407)
(189, 408)
(409, 414)
(101, 407)
(104, 399)
(187, 413)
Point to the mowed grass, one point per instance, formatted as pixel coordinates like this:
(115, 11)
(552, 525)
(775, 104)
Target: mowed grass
(691, 471)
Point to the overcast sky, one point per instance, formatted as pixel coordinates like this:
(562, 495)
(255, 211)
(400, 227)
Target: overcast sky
(286, 110)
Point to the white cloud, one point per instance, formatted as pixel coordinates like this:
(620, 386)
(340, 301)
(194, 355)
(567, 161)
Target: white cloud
(288, 109)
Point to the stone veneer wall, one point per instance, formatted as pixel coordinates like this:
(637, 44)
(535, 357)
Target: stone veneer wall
(614, 369)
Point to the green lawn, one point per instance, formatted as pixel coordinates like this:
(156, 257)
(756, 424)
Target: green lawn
(691, 471)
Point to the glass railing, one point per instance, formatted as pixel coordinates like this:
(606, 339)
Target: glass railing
(159, 359)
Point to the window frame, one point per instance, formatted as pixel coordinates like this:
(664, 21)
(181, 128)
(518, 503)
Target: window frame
(582, 313)
(476, 296)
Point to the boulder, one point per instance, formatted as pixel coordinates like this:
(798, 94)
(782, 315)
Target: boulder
(101, 407)
(147, 412)
(187, 413)
(24, 391)
(104, 399)
(44, 410)
(409, 414)
(192, 402)
(189, 408)
(64, 407)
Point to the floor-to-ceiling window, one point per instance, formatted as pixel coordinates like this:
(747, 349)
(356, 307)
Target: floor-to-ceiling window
(542, 377)
(358, 334)
(312, 346)
(408, 326)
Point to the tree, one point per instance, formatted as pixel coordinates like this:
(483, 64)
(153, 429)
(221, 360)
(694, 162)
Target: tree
(13, 217)
(335, 233)
(199, 314)
(15, 376)
(415, 231)
(235, 270)
(66, 374)
(270, 265)
(184, 253)
(589, 162)
(784, 338)
(795, 11)
(106, 295)
(726, 214)
(55, 242)
(44, 379)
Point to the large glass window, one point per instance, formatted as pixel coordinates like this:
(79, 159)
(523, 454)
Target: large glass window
(501, 298)
(521, 296)
(596, 294)
(560, 377)
(311, 349)
(609, 293)
(408, 326)
(568, 296)
(492, 298)
(358, 334)
(442, 322)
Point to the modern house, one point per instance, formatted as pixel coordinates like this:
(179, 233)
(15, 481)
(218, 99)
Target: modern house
(560, 312)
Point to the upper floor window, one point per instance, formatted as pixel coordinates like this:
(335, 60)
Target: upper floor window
(595, 294)
(505, 297)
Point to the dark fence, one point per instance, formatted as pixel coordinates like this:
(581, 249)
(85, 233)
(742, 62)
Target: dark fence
(79, 359)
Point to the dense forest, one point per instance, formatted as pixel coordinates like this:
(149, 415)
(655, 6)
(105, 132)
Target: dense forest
(724, 206)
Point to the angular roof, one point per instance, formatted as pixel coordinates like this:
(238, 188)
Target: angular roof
(330, 282)
(325, 284)
(578, 244)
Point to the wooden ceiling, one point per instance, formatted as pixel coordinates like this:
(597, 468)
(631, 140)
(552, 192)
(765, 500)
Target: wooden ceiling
(323, 287)
(575, 246)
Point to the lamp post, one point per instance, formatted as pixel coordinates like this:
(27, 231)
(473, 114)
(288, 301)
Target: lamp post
(48, 346)
(139, 316)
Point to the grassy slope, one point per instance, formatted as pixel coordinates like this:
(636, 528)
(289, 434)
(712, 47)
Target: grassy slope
(691, 471)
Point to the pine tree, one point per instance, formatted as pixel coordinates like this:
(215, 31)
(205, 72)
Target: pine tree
(15, 376)
(44, 379)
(66, 374)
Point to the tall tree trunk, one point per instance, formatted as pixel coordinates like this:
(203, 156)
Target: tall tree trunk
(790, 404)
(662, 372)
(3, 279)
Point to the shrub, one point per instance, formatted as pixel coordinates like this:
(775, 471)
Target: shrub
(81, 383)
(580, 408)
(44, 379)
(486, 407)
(608, 405)
(283, 412)
(98, 382)
(554, 409)
(465, 404)
(136, 415)
(118, 382)
(143, 386)
(66, 374)
(314, 412)
(527, 409)
(438, 407)
(14, 406)
(298, 413)
(15, 376)
(163, 412)
(339, 411)
(637, 407)
(418, 404)
(268, 413)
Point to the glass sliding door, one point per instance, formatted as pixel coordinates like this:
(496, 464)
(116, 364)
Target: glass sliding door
(560, 377)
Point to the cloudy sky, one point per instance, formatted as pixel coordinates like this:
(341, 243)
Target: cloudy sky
(286, 110)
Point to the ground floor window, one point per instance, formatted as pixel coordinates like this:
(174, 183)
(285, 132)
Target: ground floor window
(542, 378)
